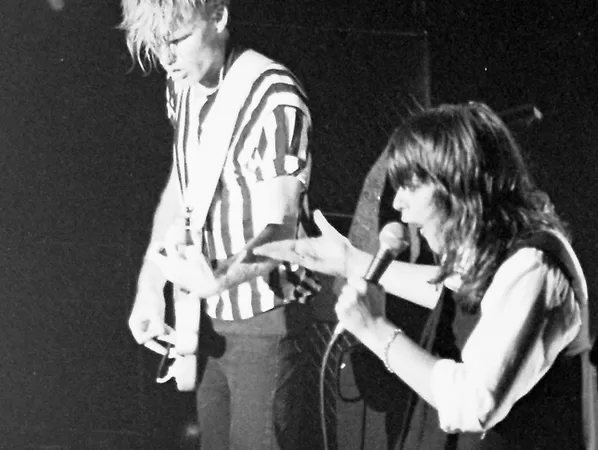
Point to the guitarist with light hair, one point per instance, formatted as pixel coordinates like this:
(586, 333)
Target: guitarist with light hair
(241, 169)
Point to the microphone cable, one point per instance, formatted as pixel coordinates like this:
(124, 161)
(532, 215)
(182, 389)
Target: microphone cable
(322, 382)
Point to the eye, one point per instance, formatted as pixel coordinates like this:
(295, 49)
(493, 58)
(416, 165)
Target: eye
(413, 184)
(179, 39)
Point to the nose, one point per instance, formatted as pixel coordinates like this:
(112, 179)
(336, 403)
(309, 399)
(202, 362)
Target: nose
(167, 54)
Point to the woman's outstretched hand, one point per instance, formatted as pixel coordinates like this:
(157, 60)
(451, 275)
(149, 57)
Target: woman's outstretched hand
(328, 253)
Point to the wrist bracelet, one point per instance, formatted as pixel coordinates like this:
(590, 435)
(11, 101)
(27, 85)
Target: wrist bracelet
(387, 345)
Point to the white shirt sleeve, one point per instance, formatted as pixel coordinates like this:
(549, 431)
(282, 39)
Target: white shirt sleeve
(283, 166)
(528, 316)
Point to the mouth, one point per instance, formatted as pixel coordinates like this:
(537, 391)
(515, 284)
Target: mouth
(177, 74)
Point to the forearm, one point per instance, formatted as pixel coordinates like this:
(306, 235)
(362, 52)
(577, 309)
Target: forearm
(405, 280)
(168, 209)
(246, 266)
(406, 359)
(243, 272)
(150, 275)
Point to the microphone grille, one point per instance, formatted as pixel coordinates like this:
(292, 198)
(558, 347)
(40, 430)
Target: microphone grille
(392, 237)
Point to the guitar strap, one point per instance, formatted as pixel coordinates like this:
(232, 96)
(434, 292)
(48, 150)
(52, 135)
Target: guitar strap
(199, 160)
(205, 161)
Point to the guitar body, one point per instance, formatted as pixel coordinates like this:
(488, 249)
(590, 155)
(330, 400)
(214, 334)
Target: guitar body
(187, 321)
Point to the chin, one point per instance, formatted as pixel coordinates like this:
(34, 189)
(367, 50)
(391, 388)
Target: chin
(190, 77)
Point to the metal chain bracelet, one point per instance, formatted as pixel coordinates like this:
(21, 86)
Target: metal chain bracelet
(387, 345)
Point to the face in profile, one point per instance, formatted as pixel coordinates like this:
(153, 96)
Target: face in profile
(194, 52)
(418, 207)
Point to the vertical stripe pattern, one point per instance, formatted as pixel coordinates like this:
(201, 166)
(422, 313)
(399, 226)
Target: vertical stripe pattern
(270, 139)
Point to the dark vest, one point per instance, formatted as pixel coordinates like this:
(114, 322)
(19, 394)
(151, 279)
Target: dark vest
(556, 414)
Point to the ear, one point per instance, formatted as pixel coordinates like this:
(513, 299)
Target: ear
(221, 19)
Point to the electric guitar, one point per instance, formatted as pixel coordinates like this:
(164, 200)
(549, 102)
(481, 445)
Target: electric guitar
(179, 360)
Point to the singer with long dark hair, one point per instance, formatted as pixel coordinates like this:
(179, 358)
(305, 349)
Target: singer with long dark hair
(503, 360)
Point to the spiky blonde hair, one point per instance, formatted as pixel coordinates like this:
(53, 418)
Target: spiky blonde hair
(148, 23)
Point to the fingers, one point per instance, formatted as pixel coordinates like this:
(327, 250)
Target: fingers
(193, 253)
(155, 346)
(358, 284)
(157, 254)
(169, 335)
(147, 317)
(187, 269)
(160, 257)
(349, 296)
(279, 250)
(161, 253)
(369, 298)
(323, 225)
(145, 329)
(352, 307)
(346, 302)
(240, 258)
(172, 262)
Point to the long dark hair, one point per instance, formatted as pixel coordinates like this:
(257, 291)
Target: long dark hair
(481, 182)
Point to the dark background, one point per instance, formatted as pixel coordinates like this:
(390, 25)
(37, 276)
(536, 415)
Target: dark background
(84, 152)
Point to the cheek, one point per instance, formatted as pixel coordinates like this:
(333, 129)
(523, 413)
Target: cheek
(191, 52)
(431, 214)
(188, 56)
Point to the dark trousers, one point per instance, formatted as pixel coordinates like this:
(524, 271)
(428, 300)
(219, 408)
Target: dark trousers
(257, 389)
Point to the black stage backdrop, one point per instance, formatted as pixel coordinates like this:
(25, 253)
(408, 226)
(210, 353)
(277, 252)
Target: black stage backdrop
(84, 152)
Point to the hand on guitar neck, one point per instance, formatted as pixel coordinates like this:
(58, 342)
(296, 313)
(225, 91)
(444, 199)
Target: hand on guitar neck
(187, 269)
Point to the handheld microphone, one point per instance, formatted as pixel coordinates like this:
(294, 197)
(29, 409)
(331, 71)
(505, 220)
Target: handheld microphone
(392, 241)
